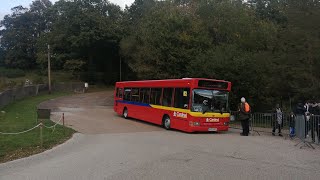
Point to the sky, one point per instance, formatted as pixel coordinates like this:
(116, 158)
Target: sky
(6, 5)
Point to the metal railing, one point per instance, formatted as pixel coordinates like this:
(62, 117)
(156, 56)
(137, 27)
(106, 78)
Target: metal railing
(306, 128)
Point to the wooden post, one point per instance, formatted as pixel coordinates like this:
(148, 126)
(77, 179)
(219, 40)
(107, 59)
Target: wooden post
(64, 129)
(63, 119)
(41, 137)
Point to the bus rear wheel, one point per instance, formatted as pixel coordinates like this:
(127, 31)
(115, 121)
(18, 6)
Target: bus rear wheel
(166, 122)
(125, 113)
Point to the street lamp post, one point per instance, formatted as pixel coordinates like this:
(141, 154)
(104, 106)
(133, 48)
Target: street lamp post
(120, 70)
(49, 70)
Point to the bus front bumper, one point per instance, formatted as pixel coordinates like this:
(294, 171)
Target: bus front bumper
(208, 129)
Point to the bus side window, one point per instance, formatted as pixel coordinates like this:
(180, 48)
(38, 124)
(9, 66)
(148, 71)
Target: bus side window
(145, 95)
(167, 97)
(181, 98)
(127, 94)
(155, 96)
(119, 92)
(135, 94)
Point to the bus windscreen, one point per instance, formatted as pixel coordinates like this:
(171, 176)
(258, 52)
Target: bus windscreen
(205, 100)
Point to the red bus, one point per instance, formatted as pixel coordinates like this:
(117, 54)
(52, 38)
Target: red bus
(188, 104)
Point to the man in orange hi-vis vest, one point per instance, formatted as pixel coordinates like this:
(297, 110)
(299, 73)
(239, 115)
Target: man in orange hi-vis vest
(244, 116)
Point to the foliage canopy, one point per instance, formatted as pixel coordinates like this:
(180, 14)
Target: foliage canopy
(269, 49)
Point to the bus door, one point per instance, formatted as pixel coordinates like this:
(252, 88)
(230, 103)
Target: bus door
(118, 96)
(155, 99)
(181, 103)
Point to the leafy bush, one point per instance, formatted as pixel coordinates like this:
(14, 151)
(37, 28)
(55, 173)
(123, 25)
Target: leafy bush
(3, 84)
(75, 66)
(11, 73)
(38, 80)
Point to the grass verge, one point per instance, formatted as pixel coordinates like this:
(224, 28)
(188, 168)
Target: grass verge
(21, 116)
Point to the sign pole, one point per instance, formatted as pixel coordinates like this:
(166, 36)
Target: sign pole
(49, 70)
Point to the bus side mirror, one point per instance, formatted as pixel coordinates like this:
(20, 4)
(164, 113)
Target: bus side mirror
(232, 118)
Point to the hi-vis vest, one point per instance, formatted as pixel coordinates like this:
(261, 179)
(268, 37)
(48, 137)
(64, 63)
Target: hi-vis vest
(246, 107)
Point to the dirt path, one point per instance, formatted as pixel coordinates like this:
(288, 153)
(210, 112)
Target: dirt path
(90, 114)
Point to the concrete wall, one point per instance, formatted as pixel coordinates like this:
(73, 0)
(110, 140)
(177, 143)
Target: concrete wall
(8, 96)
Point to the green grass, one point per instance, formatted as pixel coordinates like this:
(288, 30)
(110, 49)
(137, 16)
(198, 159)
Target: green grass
(20, 116)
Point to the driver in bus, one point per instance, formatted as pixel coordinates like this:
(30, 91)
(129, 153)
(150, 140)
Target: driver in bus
(205, 106)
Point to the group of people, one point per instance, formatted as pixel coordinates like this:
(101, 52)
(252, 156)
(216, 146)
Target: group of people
(306, 113)
(302, 112)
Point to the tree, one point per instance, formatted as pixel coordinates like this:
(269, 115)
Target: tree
(268, 49)
(299, 48)
(2, 56)
(272, 10)
(16, 38)
(213, 39)
(20, 32)
(87, 30)
(74, 66)
(167, 38)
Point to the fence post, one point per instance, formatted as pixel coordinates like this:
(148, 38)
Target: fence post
(41, 137)
(64, 129)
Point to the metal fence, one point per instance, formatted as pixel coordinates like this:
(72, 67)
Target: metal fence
(306, 128)
(10, 95)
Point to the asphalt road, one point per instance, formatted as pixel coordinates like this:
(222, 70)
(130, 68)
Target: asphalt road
(135, 150)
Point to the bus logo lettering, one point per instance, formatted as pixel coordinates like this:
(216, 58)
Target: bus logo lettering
(212, 120)
(180, 114)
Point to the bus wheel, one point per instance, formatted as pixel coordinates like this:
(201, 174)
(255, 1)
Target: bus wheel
(125, 113)
(166, 122)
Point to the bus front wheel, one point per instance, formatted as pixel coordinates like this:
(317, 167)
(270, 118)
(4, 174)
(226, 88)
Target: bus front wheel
(125, 113)
(166, 122)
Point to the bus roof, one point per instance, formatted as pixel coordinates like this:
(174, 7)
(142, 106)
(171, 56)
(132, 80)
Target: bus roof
(184, 82)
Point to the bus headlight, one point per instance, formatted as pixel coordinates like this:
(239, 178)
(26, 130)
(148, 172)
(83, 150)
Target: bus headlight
(226, 123)
(196, 123)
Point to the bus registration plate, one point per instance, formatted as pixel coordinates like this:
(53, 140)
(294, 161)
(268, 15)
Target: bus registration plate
(212, 129)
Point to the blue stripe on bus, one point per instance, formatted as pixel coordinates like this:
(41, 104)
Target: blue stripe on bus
(134, 103)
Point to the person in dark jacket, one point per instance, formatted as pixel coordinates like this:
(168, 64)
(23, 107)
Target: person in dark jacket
(292, 124)
(300, 111)
(314, 121)
(317, 120)
(244, 116)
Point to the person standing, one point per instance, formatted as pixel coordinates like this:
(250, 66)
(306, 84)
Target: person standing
(300, 119)
(314, 121)
(278, 120)
(307, 119)
(244, 116)
(292, 125)
(317, 120)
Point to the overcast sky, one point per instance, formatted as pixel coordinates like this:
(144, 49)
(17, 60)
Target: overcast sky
(6, 5)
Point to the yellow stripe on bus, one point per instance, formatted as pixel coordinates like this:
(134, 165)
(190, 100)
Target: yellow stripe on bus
(207, 114)
(194, 114)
